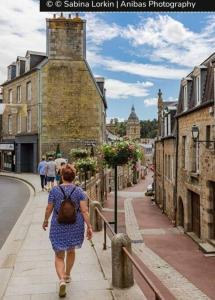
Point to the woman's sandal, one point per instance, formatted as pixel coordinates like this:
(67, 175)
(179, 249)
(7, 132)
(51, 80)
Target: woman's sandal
(62, 288)
(67, 278)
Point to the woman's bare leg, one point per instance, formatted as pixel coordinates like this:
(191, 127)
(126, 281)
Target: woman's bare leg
(70, 258)
(59, 264)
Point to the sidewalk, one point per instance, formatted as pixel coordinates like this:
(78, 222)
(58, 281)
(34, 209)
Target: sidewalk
(27, 261)
(169, 256)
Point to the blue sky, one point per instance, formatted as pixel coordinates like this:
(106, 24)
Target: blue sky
(137, 53)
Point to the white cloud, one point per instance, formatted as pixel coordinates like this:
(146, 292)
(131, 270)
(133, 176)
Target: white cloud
(151, 102)
(98, 31)
(22, 28)
(117, 89)
(154, 101)
(134, 68)
(171, 41)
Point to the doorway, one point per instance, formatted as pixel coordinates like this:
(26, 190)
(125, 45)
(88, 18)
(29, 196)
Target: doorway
(195, 205)
(27, 158)
(180, 212)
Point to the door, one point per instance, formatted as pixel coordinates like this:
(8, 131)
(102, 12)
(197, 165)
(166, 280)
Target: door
(27, 157)
(195, 198)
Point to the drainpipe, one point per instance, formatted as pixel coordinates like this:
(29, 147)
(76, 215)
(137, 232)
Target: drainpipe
(163, 176)
(155, 172)
(176, 175)
(39, 114)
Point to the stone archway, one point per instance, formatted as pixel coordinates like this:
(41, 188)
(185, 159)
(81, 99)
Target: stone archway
(180, 212)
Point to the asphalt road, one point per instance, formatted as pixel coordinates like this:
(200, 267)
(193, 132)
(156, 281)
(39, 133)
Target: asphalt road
(13, 197)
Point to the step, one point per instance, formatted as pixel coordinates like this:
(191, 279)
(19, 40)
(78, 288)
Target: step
(207, 248)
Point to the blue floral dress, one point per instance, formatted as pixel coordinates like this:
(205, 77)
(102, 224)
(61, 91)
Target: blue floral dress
(62, 236)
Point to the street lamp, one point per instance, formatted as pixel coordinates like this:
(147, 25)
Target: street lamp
(195, 132)
(195, 136)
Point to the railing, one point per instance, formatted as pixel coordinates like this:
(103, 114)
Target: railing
(157, 293)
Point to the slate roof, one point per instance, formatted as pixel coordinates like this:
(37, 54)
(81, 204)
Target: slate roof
(207, 87)
(133, 116)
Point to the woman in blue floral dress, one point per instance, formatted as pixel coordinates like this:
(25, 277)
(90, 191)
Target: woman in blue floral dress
(65, 238)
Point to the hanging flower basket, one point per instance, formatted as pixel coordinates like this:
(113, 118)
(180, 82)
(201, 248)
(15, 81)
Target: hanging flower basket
(85, 165)
(78, 154)
(120, 153)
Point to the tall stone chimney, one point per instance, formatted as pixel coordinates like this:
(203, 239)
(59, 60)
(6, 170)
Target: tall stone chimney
(66, 38)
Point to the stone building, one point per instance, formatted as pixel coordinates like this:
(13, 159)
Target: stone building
(196, 157)
(133, 126)
(65, 104)
(165, 157)
(185, 158)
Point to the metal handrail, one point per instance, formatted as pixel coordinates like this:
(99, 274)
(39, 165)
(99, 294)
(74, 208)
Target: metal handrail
(105, 221)
(158, 295)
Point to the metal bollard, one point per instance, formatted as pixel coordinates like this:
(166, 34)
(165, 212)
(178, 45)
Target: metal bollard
(122, 269)
(95, 219)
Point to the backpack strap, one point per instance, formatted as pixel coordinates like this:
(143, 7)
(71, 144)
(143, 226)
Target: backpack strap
(65, 196)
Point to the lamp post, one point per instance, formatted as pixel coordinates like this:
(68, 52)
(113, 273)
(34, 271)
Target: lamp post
(195, 136)
(195, 133)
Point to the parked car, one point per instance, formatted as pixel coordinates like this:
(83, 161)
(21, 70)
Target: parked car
(150, 190)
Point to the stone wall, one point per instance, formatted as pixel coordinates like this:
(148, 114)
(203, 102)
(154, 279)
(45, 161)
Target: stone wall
(197, 182)
(31, 105)
(165, 176)
(72, 107)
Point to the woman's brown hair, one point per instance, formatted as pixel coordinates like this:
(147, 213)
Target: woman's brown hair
(68, 172)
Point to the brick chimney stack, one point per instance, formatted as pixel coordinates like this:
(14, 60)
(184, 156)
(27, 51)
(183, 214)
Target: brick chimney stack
(66, 38)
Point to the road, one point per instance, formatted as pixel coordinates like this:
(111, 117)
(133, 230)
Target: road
(13, 197)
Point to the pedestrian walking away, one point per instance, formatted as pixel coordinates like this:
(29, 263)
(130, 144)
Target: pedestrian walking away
(59, 176)
(68, 205)
(51, 170)
(42, 171)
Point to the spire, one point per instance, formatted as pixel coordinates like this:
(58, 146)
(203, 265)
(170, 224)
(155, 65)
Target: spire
(132, 108)
(160, 94)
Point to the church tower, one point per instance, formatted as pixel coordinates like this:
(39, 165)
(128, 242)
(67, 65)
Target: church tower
(133, 126)
(160, 109)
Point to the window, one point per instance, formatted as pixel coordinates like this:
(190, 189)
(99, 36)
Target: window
(28, 91)
(19, 123)
(185, 98)
(165, 126)
(27, 64)
(208, 136)
(10, 96)
(29, 121)
(17, 68)
(184, 160)
(10, 124)
(19, 94)
(195, 165)
(198, 90)
(169, 124)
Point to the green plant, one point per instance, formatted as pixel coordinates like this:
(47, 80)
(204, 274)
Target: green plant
(78, 154)
(120, 153)
(87, 164)
(50, 153)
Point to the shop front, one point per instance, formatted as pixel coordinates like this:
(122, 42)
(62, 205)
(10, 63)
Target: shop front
(7, 156)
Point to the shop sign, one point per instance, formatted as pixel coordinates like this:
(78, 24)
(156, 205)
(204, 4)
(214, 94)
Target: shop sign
(7, 147)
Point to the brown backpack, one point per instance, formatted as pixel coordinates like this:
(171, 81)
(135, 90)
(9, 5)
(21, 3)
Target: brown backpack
(67, 213)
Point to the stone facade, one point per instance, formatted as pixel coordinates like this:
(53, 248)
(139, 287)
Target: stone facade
(165, 158)
(189, 197)
(67, 105)
(196, 184)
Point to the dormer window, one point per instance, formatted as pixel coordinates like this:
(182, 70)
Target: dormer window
(185, 92)
(27, 64)
(198, 89)
(18, 68)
